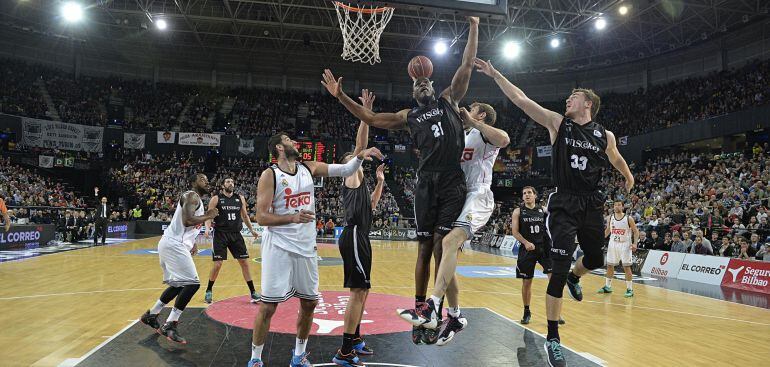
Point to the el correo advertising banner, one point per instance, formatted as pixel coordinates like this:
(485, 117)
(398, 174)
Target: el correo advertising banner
(703, 269)
(199, 139)
(60, 135)
(25, 237)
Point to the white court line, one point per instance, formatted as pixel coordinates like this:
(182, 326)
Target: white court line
(585, 355)
(371, 364)
(394, 287)
(679, 312)
(75, 361)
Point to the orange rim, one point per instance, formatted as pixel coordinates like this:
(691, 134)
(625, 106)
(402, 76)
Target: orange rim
(361, 10)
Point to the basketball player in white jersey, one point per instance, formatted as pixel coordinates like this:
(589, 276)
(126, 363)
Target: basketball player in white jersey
(482, 144)
(175, 249)
(623, 236)
(286, 208)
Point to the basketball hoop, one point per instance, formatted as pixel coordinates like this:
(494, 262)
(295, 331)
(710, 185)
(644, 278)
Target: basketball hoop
(361, 31)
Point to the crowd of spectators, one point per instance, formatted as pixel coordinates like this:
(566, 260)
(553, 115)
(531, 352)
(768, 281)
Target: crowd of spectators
(717, 202)
(258, 112)
(20, 95)
(21, 186)
(154, 183)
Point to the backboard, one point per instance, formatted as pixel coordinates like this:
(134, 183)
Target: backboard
(471, 7)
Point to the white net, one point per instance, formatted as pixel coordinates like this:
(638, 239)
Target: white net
(361, 31)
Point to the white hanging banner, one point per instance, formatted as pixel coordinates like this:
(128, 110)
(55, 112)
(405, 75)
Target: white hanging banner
(199, 139)
(133, 141)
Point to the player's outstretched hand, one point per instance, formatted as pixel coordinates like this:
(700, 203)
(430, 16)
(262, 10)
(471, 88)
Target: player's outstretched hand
(473, 20)
(303, 216)
(367, 99)
(380, 172)
(466, 117)
(194, 250)
(485, 67)
(332, 84)
(367, 154)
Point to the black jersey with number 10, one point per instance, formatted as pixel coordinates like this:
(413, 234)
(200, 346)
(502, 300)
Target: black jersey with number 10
(532, 224)
(437, 130)
(579, 156)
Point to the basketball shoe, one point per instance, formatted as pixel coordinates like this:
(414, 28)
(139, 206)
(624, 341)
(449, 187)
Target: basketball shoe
(169, 331)
(151, 320)
(347, 360)
(424, 314)
(451, 327)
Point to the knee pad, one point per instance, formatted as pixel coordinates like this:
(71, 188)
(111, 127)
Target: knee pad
(593, 262)
(556, 284)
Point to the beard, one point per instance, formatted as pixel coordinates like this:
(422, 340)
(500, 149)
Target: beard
(229, 190)
(292, 153)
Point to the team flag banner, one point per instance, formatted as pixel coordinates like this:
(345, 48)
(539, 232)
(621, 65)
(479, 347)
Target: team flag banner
(45, 161)
(133, 141)
(60, 135)
(199, 139)
(544, 151)
(246, 146)
(166, 137)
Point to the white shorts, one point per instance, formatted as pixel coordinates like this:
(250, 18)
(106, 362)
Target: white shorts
(619, 253)
(477, 210)
(177, 263)
(286, 274)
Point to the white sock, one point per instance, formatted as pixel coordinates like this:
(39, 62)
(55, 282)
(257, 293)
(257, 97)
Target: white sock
(453, 311)
(256, 351)
(157, 308)
(629, 284)
(436, 303)
(174, 315)
(299, 346)
(608, 282)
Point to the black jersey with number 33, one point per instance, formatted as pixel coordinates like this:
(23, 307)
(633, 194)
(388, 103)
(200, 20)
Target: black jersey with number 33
(437, 130)
(229, 218)
(579, 156)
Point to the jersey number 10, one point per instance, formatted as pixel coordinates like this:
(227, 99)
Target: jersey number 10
(534, 229)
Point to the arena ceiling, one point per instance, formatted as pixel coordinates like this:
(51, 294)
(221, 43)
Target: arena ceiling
(290, 30)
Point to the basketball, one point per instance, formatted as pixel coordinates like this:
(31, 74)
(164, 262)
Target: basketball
(420, 67)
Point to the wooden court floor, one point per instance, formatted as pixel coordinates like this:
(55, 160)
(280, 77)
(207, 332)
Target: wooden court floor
(60, 306)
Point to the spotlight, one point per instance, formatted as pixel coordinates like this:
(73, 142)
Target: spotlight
(555, 43)
(161, 24)
(440, 48)
(511, 50)
(623, 10)
(72, 12)
(600, 24)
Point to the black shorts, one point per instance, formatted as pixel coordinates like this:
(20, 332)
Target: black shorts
(438, 201)
(356, 252)
(229, 240)
(525, 264)
(572, 215)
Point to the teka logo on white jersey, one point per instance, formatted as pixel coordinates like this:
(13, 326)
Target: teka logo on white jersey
(296, 200)
(430, 114)
(467, 154)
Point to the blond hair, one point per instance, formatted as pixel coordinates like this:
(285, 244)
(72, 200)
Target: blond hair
(590, 95)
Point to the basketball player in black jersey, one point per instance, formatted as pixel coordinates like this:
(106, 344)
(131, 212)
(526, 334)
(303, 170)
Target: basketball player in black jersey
(528, 227)
(582, 149)
(355, 247)
(227, 235)
(437, 130)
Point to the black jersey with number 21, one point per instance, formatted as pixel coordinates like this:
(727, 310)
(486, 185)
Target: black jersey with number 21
(579, 156)
(437, 130)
